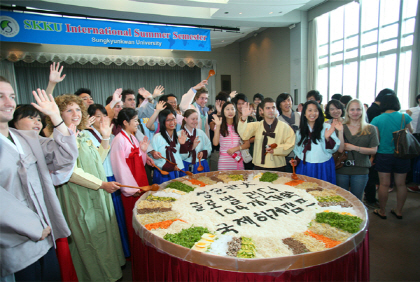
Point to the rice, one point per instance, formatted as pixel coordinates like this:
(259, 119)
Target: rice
(268, 247)
(282, 180)
(311, 243)
(165, 194)
(329, 231)
(156, 217)
(307, 185)
(175, 227)
(220, 245)
(206, 180)
(323, 193)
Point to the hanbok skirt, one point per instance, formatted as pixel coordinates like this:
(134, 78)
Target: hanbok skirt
(119, 213)
(158, 178)
(204, 163)
(323, 171)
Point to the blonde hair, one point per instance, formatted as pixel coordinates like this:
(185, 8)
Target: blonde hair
(365, 128)
(65, 100)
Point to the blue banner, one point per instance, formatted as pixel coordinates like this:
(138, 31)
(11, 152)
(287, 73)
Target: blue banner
(32, 28)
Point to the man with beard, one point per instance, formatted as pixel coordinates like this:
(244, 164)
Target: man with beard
(274, 139)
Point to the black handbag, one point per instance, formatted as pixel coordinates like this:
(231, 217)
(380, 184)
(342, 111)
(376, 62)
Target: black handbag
(406, 145)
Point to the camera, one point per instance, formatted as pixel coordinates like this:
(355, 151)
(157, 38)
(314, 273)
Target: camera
(349, 163)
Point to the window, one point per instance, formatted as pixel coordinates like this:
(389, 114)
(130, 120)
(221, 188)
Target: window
(365, 47)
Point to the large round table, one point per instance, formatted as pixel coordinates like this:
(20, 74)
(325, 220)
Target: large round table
(155, 259)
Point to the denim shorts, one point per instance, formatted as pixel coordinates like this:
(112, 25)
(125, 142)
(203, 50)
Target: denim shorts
(388, 163)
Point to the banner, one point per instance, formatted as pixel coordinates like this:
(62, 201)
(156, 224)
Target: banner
(31, 28)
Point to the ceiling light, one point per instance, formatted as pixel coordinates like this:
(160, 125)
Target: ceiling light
(240, 13)
(223, 41)
(270, 13)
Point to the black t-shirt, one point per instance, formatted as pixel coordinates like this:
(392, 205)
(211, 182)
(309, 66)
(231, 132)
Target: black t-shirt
(373, 111)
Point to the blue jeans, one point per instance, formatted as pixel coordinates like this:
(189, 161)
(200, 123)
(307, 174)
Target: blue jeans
(356, 182)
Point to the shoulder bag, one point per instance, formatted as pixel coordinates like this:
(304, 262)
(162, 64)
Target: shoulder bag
(406, 145)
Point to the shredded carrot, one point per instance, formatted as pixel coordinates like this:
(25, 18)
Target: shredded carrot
(329, 243)
(294, 182)
(163, 224)
(197, 182)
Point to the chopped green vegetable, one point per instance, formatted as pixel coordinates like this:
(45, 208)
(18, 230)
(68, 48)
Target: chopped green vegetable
(160, 199)
(269, 177)
(247, 248)
(342, 221)
(236, 177)
(334, 199)
(187, 237)
(180, 186)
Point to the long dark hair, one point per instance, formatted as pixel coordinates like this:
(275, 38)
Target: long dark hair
(224, 127)
(162, 119)
(257, 112)
(282, 97)
(126, 114)
(304, 127)
(187, 114)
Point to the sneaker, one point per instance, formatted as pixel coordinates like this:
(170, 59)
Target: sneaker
(374, 205)
(414, 189)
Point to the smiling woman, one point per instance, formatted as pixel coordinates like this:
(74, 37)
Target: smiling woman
(26, 117)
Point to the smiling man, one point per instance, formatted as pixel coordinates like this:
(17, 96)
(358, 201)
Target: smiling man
(267, 132)
(31, 218)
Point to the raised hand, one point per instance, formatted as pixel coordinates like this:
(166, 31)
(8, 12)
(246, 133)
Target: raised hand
(105, 127)
(217, 120)
(233, 94)
(55, 73)
(161, 106)
(90, 121)
(144, 93)
(45, 103)
(200, 85)
(329, 132)
(337, 125)
(110, 187)
(218, 105)
(73, 128)
(183, 138)
(246, 110)
(144, 144)
(158, 91)
(195, 143)
(116, 97)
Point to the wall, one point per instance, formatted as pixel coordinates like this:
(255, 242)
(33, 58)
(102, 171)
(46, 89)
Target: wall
(227, 57)
(265, 63)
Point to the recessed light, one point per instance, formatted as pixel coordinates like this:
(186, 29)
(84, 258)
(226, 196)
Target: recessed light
(240, 13)
(223, 41)
(270, 13)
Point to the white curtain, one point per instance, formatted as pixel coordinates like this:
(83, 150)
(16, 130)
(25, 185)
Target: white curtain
(212, 82)
(7, 70)
(312, 71)
(415, 61)
(102, 79)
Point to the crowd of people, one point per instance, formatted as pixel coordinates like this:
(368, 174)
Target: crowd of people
(71, 160)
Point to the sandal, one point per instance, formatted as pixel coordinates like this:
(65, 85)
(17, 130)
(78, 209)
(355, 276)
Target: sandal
(378, 214)
(396, 215)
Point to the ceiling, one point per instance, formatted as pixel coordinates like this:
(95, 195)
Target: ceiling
(249, 16)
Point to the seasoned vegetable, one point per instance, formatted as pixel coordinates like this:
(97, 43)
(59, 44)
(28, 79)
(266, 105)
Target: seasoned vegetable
(180, 186)
(187, 237)
(160, 199)
(344, 222)
(334, 199)
(269, 177)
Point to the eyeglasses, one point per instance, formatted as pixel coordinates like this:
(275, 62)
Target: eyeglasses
(171, 120)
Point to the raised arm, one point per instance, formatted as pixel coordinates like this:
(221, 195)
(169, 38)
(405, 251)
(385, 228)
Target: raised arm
(55, 77)
(188, 98)
(151, 122)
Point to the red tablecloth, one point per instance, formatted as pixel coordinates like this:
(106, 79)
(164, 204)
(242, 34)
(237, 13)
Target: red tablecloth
(149, 264)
